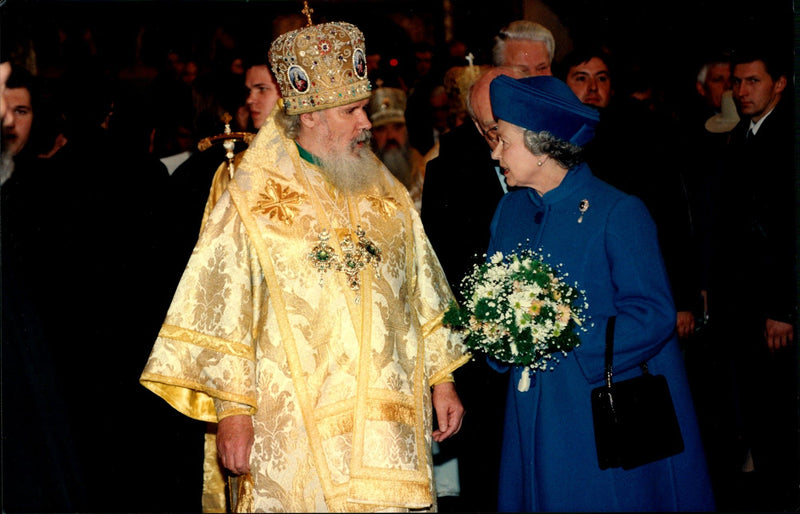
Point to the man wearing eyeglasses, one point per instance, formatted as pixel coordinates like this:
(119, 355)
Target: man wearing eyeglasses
(461, 191)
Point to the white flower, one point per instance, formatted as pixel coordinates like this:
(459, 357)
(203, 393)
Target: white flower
(482, 291)
(512, 301)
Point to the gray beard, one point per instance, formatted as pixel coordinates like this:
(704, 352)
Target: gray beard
(352, 173)
(398, 160)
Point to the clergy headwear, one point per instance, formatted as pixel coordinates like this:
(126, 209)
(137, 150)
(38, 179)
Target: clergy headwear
(387, 105)
(320, 66)
(543, 103)
(457, 82)
(727, 119)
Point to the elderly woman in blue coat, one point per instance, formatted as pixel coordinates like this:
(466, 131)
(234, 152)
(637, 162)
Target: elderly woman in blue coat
(605, 241)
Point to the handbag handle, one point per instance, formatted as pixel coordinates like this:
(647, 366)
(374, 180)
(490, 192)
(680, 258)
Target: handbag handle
(610, 348)
(612, 321)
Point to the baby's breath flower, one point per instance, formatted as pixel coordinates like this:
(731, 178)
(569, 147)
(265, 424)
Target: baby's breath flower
(519, 310)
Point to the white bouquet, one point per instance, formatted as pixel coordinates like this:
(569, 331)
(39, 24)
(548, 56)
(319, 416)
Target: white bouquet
(518, 311)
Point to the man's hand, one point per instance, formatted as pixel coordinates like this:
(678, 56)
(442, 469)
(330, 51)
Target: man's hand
(448, 409)
(778, 334)
(234, 442)
(685, 324)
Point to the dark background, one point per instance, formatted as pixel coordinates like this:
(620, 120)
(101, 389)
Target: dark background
(668, 37)
(131, 39)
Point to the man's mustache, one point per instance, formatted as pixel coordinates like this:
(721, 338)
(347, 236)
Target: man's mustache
(365, 136)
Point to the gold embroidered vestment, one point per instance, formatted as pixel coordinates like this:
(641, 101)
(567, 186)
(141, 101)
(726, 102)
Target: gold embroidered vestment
(337, 379)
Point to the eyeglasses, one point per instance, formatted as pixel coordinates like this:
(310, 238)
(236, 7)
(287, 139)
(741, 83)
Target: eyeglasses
(491, 134)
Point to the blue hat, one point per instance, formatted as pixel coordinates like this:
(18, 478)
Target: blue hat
(543, 103)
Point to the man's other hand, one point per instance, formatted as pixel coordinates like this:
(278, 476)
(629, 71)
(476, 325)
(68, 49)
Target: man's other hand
(234, 442)
(448, 409)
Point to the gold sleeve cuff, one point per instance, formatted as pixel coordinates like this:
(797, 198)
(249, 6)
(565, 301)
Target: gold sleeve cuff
(226, 409)
(444, 380)
(442, 376)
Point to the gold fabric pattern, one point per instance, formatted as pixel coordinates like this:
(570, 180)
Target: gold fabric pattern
(219, 184)
(386, 205)
(339, 391)
(279, 202)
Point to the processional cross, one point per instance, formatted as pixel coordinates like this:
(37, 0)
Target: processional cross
(307, 11)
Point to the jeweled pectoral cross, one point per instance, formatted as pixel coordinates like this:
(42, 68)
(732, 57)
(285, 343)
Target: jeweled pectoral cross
(356, 255)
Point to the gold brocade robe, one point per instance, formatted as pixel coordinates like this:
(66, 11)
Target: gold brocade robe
(337, 379)
(218, 186)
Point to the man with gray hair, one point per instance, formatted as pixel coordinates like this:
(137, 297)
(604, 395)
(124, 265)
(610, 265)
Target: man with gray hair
(527, 44)
(713, 79)
(308, 322)
(463, 183)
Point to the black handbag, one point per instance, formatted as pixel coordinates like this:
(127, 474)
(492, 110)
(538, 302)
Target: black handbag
(634, 420)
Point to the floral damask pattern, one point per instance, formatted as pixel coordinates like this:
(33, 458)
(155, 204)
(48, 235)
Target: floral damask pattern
(339, 410)
(209, 303)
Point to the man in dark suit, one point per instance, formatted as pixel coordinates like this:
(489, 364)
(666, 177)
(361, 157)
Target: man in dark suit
(461, 191)
(752, 298)
(462, 186)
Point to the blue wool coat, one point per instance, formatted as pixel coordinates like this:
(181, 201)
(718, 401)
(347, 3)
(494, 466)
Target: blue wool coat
(549, 459)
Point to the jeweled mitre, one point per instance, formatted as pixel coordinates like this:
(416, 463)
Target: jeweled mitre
(320, 66)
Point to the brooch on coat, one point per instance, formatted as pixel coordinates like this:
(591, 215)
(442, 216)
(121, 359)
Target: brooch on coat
(583, 207)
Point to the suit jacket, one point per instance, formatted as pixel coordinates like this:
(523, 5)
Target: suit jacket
(459, 197)
(753, 220)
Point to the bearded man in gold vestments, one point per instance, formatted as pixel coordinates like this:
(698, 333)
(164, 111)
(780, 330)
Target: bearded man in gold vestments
(308, 321)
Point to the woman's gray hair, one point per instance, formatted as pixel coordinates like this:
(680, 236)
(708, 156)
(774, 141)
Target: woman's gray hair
(563, 152)
(289, 123)
(522, 30)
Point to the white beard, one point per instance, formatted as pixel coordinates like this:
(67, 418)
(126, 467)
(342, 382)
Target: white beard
(352, 171)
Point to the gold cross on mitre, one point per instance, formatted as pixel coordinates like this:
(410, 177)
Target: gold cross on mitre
(307, 11)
